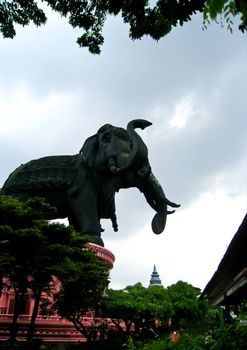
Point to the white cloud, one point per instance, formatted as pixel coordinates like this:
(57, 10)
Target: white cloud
(189, 249)
(183, 113)
(41, 121)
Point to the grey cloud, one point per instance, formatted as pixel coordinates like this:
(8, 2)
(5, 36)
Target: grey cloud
(130, 80)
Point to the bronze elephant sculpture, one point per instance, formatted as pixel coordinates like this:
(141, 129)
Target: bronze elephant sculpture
(83, 186)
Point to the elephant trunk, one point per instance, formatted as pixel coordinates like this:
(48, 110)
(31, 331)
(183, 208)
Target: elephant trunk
(156, 198)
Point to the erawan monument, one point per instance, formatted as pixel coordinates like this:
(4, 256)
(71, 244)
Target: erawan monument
(83, 186)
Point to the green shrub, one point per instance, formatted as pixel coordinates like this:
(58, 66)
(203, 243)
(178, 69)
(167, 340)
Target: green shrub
(129, 345)
(233, 337)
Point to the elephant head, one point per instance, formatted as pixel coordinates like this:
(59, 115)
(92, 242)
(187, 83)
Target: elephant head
(123, 152)
(116, 149)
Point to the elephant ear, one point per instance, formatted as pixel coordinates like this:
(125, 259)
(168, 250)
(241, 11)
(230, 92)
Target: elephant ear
(89, 149)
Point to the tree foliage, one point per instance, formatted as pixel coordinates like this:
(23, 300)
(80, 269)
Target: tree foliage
(135, 309)
(185, 305)
(155, 19)
(144, 310)
(225, 11)
(149, 312)
(82, 291)
(33, 250)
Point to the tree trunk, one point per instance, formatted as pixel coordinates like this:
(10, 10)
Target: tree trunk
(31, 328)
(19, 297)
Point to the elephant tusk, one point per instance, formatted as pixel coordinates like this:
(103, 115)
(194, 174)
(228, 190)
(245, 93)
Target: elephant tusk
(170, 212)
(172, 204)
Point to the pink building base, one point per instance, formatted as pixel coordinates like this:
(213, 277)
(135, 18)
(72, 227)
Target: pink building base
(52, 329)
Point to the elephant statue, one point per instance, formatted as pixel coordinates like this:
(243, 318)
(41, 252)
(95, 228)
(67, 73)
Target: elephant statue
(83, 186)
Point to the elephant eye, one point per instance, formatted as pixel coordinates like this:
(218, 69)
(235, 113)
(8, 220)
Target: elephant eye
(106, 137)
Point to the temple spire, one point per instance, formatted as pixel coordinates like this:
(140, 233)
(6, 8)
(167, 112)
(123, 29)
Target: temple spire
(155, 279)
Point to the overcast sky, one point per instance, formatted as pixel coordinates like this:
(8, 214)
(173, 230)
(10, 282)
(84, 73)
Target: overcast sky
(191, 85)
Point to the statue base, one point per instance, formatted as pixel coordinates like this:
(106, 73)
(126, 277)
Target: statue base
(102, 253)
